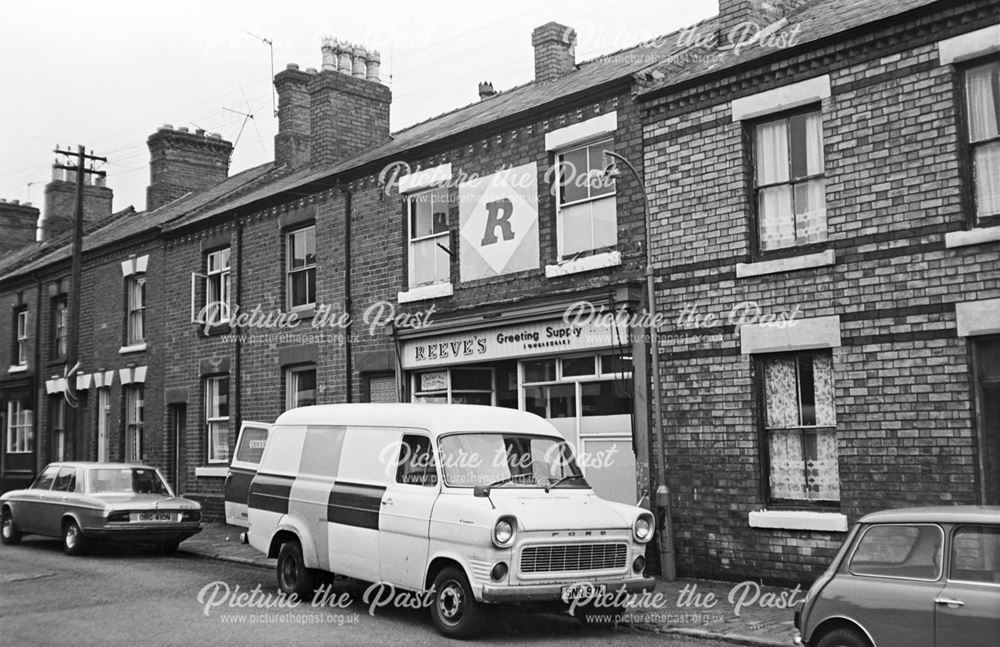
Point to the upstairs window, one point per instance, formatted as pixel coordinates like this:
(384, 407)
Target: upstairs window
(982, 97)
(216, 307)
(587, 209)
(790, 188)
(60, 327)
(430, 238)
(21, 337)
(135, 309)
(301, 269)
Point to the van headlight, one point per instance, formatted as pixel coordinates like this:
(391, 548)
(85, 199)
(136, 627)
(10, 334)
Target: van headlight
(504, 531)
(642, 529)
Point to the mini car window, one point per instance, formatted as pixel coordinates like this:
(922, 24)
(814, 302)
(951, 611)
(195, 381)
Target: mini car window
(66, 480)
(899, 550)
(416, 465)
(45, 479)
(975, 554)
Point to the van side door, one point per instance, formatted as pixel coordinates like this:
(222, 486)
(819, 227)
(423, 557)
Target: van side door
(246, 461)
(404, 522)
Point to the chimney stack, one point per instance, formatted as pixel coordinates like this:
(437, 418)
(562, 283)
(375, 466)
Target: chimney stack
(486, 90)
(291, 144)
(759, 13)
(181, 162)
(60, 202)
(555, 51)
(348, 105)
(17, 225)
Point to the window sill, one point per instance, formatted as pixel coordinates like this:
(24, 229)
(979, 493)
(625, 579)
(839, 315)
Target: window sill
(585, 264)
(971, 237)
(134, 348)
(303, 313)
(20, 368)
(790, 264)
(212, 472)
(213, 329)
(799, 520)
(436, 291)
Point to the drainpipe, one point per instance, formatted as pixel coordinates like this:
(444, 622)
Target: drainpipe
(348, 349)
(668, 568)
(40, 400)
(238, 349)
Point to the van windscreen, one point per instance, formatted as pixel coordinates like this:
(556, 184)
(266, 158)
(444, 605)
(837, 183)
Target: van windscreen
(508, 460)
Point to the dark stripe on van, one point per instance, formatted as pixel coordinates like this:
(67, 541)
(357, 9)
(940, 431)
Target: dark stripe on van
(270, 492)
(354, 504)
(238, 484)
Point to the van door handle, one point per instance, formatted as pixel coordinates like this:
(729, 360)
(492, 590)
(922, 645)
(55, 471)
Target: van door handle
(387, 501)
(949, 602)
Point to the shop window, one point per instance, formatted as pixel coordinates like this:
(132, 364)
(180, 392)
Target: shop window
(301, 268)
(217, 418)
(789, 188)
(539, 371)
(134, 415)
(20, 425)
(616, 364)
(800, 427)
(455, 386)
(300, 385)
(60, 326)
(587, 210)
(589, 385)
(135, 309)
(429, 238)
(579, 367)
(982, 100)
(555, 401)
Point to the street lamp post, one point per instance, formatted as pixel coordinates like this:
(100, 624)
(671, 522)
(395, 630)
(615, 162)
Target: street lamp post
(668, 567)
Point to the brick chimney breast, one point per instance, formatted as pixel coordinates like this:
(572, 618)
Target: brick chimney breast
(17, 225)
(758, 13)
(60, 202)
(291, 144)
(555, 51)
(181, 162)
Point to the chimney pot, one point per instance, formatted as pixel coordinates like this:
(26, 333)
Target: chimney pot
(330, 50)
(360, 61)
(292, 66)
(344, 63)
(486, 90)
(15, 202)
(311, 70)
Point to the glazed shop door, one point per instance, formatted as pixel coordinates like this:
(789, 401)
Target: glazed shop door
(588, 399)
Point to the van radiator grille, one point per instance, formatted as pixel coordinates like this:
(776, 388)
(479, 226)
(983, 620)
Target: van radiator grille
(573, 557)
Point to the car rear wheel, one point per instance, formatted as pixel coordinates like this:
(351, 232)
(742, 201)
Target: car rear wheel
(293, 576)
(10, 535)
(843, 637)
(455, 612)
(73, 540)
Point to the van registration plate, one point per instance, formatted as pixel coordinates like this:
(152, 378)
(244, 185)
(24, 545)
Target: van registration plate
(582, 590)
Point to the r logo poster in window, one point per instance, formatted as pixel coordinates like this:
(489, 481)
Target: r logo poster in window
(498, 223)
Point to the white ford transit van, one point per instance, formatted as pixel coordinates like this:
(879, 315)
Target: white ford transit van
(470, 505)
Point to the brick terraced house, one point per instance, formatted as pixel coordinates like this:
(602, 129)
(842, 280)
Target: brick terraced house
(828, 249)
(840, 170)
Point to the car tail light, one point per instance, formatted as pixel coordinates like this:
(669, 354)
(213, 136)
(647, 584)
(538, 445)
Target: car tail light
(118, 517)
(190, 515)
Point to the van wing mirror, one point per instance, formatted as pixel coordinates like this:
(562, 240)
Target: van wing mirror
(481, 491)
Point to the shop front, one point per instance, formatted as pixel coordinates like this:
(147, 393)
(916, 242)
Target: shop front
(578, 376)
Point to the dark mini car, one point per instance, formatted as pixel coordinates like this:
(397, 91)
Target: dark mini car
(915, 577)
(83, 502)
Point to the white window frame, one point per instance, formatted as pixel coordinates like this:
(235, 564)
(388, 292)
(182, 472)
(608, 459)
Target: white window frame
(135, 310)
(22, 338)
(984, 218)
(601, 144)
(561, 379)
(134, 395)
(448, 390)
(216, 279)
(290, 237)
(441, 238)
(20, 426)
(291, 384)
(215, 422)
(58, 426)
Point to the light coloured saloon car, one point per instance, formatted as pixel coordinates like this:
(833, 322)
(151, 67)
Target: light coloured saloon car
(85, 502)
(915, 577)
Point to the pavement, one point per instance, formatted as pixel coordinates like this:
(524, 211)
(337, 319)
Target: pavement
(742, 613)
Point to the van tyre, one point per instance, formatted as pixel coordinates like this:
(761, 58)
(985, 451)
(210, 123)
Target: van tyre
(843, 637)
(455, 612)
(293, 576)
(10, 535)
(73, 541)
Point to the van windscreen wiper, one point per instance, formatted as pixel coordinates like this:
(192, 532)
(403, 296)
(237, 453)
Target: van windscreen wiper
(556, 482)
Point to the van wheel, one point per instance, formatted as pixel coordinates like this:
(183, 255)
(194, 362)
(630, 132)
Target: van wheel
(843, 637)
(455, 612)
(293, 576)
(73, 540)
(10, 535)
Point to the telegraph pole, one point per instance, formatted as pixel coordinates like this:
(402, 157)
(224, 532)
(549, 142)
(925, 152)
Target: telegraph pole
(73, 326)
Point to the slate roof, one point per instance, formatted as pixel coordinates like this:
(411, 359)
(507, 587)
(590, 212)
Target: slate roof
(815, 20)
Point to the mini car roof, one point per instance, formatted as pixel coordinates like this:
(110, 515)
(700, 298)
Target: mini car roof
(937, 514)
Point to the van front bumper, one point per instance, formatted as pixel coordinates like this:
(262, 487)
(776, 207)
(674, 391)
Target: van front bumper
(540, 592)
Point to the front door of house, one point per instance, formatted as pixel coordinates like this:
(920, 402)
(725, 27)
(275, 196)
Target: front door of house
(987, 363)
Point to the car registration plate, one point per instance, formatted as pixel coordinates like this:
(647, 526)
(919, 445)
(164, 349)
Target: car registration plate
(151, 517)
(582, 590)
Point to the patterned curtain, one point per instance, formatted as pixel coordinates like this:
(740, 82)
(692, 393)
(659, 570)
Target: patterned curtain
(983, 107)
